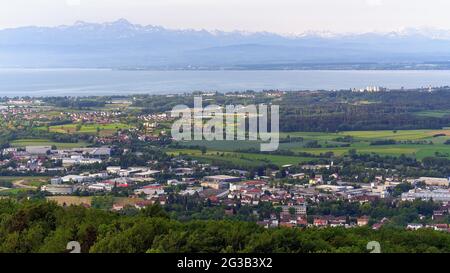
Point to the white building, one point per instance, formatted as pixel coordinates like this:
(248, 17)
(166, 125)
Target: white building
(414, 226)
(150, 190)
(38, 150)
(297, 176)
(299, 209)
(56, 180)
(75, 178)
(184, 171)
(146, 174)
(79, 160)
(440, 195)
(191, 191)
(58, 189)
(100, 187)
(101, 175)
(113, 169)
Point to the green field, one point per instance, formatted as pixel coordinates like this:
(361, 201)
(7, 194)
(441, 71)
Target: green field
(78, 200)
(46, 142)
(361, 143)
(12, 178)
(434, 114)
(417, 151)
(22, 184)
(104, 129)
(240, 159)
(12, 192)
(400, 135)
(223, 145)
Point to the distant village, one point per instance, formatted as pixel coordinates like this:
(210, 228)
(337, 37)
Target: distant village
(225, 187)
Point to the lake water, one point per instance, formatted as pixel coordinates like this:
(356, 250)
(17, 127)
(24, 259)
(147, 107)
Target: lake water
(84, 82)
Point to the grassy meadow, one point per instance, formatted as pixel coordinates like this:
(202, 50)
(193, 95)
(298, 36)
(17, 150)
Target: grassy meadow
(46, 142)
(414, 143)
(103, 129)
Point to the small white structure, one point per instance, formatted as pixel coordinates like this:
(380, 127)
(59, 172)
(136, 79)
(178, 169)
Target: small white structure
(38, 150)
(58, 189)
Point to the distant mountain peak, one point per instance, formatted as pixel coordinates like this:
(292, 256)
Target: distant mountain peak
(81, 23)
(120, 43)
(122, 22)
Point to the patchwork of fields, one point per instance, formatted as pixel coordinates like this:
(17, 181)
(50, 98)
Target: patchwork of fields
(414, 143)
(12, 185)
(87, 200)
(101, 129)
(46, 142)
(240, 159)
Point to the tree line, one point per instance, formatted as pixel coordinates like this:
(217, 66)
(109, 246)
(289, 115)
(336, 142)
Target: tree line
(40, 226)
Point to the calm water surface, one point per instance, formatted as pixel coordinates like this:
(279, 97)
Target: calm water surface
(83, 82)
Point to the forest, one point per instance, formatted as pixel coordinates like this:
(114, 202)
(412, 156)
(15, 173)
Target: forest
(41, 226)
(318, 111)
(332, 111)
(347, 110)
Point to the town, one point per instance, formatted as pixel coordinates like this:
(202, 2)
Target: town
(114, 159)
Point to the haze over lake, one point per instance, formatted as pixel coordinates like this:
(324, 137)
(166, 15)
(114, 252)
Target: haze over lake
(85, 82)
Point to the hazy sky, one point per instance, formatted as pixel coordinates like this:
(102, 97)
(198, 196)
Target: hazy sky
(282, 16)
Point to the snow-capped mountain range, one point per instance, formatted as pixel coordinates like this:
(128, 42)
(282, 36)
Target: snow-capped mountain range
(122, 44)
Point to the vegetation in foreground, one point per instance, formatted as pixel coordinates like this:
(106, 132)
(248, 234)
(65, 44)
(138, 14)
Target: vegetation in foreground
(40, 226)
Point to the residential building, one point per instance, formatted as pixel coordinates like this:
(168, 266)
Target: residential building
(298, 209)
(362, 221)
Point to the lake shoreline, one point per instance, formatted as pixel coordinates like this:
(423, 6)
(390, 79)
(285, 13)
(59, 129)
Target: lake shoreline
(104, 82)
